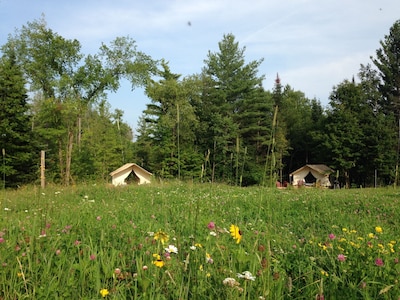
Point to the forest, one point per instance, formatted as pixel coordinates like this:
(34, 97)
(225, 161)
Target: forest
(220, 125)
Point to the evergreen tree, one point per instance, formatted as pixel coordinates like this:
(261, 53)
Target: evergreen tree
(387, 61)
(227, 82)
(168, 126)
(19, 152)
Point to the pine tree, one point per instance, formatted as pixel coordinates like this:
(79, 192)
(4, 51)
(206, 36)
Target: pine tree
(19, 163)
(227, 82)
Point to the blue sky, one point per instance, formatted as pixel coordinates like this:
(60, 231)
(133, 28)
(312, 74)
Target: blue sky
(313, 45)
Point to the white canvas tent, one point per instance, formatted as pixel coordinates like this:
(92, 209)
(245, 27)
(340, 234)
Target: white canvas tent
(120, 175)
(319, 172)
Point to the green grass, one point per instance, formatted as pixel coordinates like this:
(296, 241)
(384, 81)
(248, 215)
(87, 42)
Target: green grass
(70, 243)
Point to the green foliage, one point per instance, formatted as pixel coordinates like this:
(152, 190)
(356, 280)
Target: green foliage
(18, 145)
(296, 243)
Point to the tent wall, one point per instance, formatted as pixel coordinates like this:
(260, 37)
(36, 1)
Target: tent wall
(142, 175)
(119, 178)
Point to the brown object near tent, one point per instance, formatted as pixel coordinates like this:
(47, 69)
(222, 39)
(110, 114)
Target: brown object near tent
(120, 175)
(312, 175)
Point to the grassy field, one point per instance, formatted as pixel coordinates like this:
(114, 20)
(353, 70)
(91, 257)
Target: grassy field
(183, 241)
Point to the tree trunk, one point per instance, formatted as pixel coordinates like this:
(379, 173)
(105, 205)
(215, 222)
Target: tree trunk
(68, 158)
(61, 160)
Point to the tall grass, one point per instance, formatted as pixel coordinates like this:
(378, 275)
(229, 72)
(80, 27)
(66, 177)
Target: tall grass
(295, 244)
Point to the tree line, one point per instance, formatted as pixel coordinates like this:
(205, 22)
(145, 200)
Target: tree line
(220, 125)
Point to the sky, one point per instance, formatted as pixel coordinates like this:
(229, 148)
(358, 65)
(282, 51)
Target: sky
(312, 45)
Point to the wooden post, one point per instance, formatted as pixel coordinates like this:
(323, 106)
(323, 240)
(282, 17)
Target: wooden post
(42, 169)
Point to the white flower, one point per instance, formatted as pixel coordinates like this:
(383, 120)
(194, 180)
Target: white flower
(246, 275)
(193, 248)
(171, 249)
(230, 282)
(150, 233)
(213, 233)
(6, 209)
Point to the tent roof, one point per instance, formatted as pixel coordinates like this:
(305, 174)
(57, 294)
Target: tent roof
(320, 168)
(131, 166)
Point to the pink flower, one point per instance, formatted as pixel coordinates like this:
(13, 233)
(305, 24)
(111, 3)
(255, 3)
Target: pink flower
(2, 240)
(98, 218)
(58, 252)
(331, 236)
(379, 262)
(341, 257)
(76, 243)
(211, 225)
(92, 256)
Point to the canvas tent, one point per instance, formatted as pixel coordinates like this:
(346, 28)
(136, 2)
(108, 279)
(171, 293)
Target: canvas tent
(312, 174)
(120, 175)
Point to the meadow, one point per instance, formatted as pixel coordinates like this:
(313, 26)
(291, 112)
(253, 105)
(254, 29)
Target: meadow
(188, 241)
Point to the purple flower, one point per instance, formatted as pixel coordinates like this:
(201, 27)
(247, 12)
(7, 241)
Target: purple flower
(341, 257)
(379, 262)
(331, 236)
(211, 225)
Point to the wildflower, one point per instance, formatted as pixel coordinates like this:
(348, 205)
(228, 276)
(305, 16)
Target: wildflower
(331, 236)
(104, 292)
(92, 256)
(77, 243)
(324, 273)
(379, 262)
(98, 218)
(158, 262)
(211, 225)
(58, 252)
(117, 271)
(341, 257)
(161, 236)
(378, 229)
(2, 240)
(209, 259)
(246, 275)
(371, 235)
(193, 248)
(213, 233)
(344, 229)
(171, 249)
(235, 233)
(144, 268)
(231, 282)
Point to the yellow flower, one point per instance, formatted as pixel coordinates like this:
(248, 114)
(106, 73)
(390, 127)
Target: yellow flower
(104, 292)
(371, 235)
(324, 273)
(378, 229)
(236, 233)
(159, 263)
(161, 236)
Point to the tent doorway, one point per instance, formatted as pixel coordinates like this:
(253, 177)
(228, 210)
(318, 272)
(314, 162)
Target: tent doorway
(310, 179)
